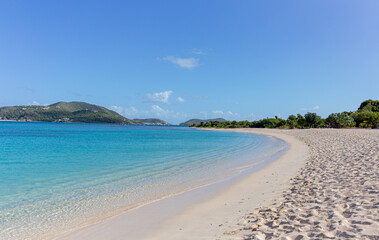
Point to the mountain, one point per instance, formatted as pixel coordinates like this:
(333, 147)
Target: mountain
(197, 121)
(151, 121)
(63, 112)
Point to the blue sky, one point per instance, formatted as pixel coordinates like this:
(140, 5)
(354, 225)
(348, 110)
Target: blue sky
(177, 60)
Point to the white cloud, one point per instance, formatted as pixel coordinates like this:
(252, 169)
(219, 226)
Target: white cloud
(218, 112)
(34, 103)
(188, 63)
(203, 115)
(131, 112)
(159, 97)
(230, 113)
(310, 109)
(117, 109)
(158, 110)
(180, 99)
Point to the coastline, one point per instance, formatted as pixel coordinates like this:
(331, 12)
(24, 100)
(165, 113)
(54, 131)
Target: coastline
(205, 212)
(218, 217)
(334, 196)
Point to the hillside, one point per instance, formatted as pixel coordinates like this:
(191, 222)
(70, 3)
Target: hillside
(151, 121)
(63, 112)
(198, 121)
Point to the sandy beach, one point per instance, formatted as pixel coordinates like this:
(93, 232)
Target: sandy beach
(206, 212)
(335, 196)
(324, 186)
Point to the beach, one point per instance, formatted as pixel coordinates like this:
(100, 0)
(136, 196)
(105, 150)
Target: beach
(222, 216)
(77, 175)
(334, 196)
(189, 120)
(206, 212)
(324, 186)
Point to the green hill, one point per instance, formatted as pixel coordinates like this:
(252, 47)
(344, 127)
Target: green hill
(151, 121)
(63, 112)
(198, 121)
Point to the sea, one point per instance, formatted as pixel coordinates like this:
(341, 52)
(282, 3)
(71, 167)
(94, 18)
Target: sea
(59, 176)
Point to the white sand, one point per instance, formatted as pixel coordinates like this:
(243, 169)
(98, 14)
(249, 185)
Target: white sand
(335, 196)
(217, 217)
(192, 216)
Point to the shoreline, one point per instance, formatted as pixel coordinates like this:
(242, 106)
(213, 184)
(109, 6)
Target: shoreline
(219, 216)
(197, 205)
(335, 196)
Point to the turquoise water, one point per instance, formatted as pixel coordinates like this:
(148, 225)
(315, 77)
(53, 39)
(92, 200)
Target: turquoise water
(56, 176)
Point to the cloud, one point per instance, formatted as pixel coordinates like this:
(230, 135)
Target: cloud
(198, 52)
(158, 110)
(188, 63)
(128, 112)
(34, 103)
(203, 115)
(218, 112)
(159, 97)
(225, 113)
(131, 112)
(310, 109)
(180, 99)
(117, 109)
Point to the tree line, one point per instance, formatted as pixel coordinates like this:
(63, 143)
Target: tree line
(367, 116)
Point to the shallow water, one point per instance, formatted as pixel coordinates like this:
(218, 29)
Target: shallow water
(54, 176)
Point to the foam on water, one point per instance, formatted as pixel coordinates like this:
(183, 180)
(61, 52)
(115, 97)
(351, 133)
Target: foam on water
(57, 176)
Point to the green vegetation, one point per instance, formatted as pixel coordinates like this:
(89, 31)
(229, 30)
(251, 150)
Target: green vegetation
(369, 105)
(366, 119)
(340, 120)
(63, 112)
(367, 116)
(198, 121)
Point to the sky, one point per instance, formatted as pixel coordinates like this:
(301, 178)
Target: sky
(177, 60)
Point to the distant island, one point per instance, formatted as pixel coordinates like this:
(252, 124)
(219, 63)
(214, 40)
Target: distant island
(151, 121)
(79, 112)
(198, 121)
(63, 112)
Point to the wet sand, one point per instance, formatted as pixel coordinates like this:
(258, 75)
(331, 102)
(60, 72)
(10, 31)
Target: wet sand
(326, 186)
(206, 212)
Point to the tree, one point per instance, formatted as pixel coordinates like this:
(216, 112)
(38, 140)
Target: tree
(344, 120)
(292, 121)
(366, 119)
(312, 119)
(300, 120)
(331, 120)
(280, 123)
(369, 105)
